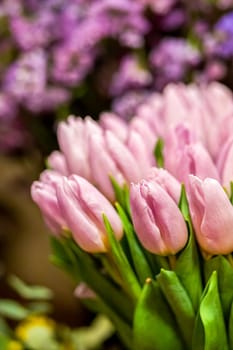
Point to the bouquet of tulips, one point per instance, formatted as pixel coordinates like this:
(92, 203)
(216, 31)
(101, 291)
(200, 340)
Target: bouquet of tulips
(142, 217)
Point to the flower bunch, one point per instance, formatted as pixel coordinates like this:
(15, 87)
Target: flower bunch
(142, 217)
(57, 55)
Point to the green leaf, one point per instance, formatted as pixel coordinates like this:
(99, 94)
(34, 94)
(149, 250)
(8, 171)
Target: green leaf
(209, 331)
(63, 257)
(154, 324)
(12, 309)
(179, 302)
(189, 272)
(90, 273)
(121, 194)
(143, 268)
(29, 292)
(183, 205)
(4, 328)
(4, 340)
(231, 195)
(230, 328)
(225, 280)
(123, 329)
(158, 153)
(94, 335)
(129, 280)
(40, 307)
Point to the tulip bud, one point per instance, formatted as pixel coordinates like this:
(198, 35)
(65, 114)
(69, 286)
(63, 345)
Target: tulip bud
(190, 157)
(112, 122)
(225, 164)
(57, 162)
(43, 193)
(142, 128)
(110, 156)
(158, 221)
(212, 215)
(168, 182)
(82, 292)
(142, 154)
(83, 207)
(73, 137)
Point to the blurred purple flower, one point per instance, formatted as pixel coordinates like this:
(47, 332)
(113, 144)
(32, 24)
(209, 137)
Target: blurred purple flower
(127, 104)
(27, 75)
(131, 74)
(172, 58)
(30, 33)
(224, 33)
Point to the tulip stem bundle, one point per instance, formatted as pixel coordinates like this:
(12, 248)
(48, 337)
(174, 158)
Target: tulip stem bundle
(154, 301)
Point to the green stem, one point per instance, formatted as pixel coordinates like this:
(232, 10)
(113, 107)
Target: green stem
(172, 261)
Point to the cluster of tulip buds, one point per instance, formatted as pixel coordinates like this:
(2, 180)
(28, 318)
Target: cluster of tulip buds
(142, 218)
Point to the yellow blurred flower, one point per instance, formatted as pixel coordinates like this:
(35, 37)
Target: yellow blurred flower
(36, 331)
(14, 345)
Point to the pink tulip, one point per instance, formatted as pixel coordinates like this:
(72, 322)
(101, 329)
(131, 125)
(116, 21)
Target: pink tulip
(196, 160)
(43, 193)
(110, 157)
(103, 166)
(158, 221)
(73, 137)
(212, 215)
(83, 207)
(184, 156)
(137, 145)
(112, 122)
(57, 162)
(168, 182)
(225, 164)
(82, 291)
(142, 128)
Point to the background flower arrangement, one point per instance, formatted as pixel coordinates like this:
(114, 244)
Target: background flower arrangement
(159, 162)
(60, 57)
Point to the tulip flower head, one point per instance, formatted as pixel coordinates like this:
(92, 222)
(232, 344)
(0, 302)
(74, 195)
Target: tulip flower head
(43, 193)
(83, 207)
(158, 221)
(212, 215)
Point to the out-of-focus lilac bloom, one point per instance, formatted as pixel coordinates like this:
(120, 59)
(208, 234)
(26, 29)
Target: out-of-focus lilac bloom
(172, 20)
(172, 58)
(8, 110)
(13, 136)
(27, 75)
(214, 70)
(130, 75)
(224, 4)
(47, 100)
(32, 33)
(224, 32)
(10, 8)
(70, 66)
(125, 19)
(160, 6)
(127, 104)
